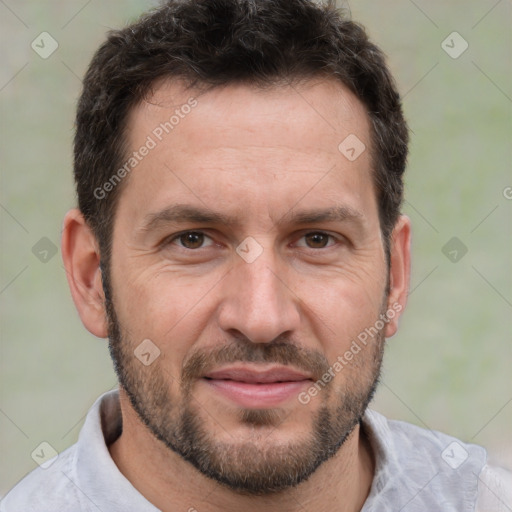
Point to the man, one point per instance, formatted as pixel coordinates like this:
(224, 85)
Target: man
(239, 240)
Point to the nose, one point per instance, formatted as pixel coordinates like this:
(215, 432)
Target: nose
(258, 302)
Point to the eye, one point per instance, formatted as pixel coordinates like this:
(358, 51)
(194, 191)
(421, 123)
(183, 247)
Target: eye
(190, 240)
(317, 240)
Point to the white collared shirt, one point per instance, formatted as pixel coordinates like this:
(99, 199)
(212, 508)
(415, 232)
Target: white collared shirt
(416, 470)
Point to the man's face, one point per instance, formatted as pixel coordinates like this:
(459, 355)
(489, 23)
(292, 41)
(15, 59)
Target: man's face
(247, 248)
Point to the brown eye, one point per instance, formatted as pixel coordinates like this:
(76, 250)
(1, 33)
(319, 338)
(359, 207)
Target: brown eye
(317, 240)
(192, 240)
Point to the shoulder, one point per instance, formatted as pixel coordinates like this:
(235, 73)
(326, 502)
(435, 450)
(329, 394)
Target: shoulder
(494, 489)
(423, 443)
(79, 477)
(47, 490)
(422, 468)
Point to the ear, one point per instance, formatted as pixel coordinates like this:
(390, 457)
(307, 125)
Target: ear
(81, 258)
(399, 272)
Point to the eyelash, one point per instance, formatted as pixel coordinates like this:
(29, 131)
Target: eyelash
(177, 236)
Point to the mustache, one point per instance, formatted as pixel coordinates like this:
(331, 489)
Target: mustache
(242, 350)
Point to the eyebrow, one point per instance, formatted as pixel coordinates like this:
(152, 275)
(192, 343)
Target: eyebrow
(182, 213)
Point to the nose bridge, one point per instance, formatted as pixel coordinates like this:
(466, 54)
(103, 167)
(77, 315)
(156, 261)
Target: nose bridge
(256, 301)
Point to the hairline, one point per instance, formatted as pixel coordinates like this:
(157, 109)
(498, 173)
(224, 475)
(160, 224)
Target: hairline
(201, 86)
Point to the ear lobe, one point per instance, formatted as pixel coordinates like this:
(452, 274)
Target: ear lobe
(81, 258)
(399, 272)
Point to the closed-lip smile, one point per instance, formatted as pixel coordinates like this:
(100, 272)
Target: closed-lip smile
(257, 386)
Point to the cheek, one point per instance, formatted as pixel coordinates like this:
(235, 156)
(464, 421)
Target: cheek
(343, 297)
(340, 310)
(170, 310)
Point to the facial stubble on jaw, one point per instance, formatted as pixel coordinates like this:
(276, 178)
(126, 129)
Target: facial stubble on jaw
(254, 466)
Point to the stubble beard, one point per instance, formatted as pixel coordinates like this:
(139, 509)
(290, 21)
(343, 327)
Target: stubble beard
(255, 466)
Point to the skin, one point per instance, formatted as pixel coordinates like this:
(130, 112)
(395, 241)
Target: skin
(261, 157)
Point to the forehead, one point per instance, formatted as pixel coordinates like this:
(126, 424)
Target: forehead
(249, 148)
(298, 106)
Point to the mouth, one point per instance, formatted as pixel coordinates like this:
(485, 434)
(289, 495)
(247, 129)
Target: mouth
(255, 387)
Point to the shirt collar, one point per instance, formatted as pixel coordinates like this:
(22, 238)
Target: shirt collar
(99, 479)
(97, 475)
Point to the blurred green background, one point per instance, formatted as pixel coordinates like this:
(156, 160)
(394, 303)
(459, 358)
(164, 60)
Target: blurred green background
(449, 368)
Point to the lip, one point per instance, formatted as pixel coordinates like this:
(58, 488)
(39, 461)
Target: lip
(257, 388)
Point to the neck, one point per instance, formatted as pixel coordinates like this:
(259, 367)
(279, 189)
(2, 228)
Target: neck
(170, 483)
